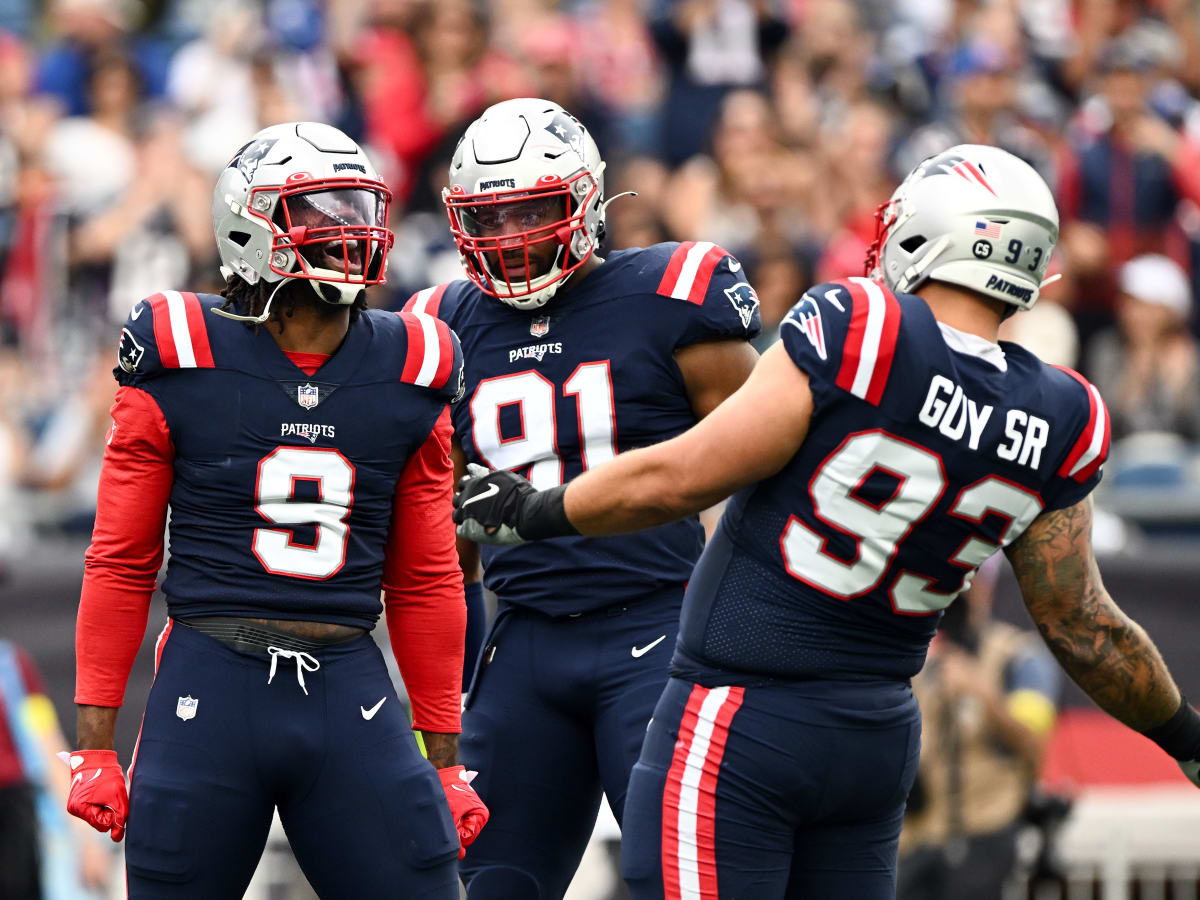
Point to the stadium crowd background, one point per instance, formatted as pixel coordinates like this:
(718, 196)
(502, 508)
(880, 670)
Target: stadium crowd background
(772, 128)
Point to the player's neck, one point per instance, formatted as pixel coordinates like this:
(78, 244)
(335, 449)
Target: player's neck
(962, 310)
(312, 327)
(592, 264)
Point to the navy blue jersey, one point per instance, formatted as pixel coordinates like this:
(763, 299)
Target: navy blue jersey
(559, 389)
(928, 450)
(284, 482)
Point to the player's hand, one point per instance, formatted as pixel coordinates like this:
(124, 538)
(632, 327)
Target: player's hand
(466, 809)
(487, 506)
(1191, 768)
(98, 794)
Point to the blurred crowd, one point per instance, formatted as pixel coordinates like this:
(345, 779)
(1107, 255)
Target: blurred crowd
(774, 127)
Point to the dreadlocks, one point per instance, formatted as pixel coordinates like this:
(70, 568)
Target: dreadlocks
(247, 299)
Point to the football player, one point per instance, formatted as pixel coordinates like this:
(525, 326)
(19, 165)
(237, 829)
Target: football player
(570, 360)
(878, 454)
(302, 444)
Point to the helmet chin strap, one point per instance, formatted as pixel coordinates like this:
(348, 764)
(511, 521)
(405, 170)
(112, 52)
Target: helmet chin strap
(259, 319)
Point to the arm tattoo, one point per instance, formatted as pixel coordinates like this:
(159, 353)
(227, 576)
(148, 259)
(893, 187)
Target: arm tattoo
(1104, 651)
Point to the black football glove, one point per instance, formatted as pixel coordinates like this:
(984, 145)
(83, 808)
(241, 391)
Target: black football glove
(502, 508)
(487, 505)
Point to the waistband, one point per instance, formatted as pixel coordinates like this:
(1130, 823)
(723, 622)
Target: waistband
(673, 593)
(253, 638)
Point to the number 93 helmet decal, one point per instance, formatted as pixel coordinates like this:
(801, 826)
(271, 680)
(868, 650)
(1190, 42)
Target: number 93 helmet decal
(301, 200)
(525, 200)
(973, 216)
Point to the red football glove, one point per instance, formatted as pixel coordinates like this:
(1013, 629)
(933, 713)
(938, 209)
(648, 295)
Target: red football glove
(98, 794)
(466, 809)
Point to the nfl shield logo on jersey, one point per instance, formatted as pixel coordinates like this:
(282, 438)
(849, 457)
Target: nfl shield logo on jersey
(186, 707)
(539, 326)
(307, 396)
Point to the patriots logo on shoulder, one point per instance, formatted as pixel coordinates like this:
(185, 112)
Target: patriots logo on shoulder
(744, 300)
(806, 316)
(130, 352)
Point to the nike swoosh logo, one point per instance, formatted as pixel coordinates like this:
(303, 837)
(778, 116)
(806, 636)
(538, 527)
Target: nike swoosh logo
(95, 775)
(642, 651)
(136, 311)
(492, 491)
(461, 787)
(734, 265)
(369, 714)
(78, 778)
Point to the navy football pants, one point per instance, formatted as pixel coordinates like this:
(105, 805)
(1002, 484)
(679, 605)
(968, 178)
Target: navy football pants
(365, 814)
(775, 791)
(557, 714)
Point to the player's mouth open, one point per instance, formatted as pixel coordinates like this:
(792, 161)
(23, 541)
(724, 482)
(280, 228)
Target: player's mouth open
(339, 256)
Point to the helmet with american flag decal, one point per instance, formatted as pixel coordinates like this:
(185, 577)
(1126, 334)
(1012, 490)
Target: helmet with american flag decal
(974, 216)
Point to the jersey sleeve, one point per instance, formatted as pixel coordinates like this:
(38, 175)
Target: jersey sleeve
(843, 334)
(715, 299)
(164, 331)
(1078, 473)
(126, 549)
(433, 357)
(423, 586)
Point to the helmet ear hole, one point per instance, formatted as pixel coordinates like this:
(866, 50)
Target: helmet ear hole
(912, 244)
(240, 238)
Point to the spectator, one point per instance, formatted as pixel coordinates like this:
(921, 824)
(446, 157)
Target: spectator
(710, 47)
(1123, 180)
(1146, 367)
(41, 854)
(988, 694)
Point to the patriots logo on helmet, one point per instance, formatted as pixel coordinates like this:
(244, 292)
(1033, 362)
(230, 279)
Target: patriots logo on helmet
(744, 300)
(806, 316)
(567, 130)
(249, 157)
(957, 164)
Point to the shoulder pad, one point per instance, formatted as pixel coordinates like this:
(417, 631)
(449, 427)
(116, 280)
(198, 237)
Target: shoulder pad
(433, 357)
(844, 333)
(427, 301)
(710, 278)
(164, 331)
(1090, 449)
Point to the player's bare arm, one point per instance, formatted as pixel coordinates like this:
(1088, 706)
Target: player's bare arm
(736, 445)
(1100, 647)
(95, 726)
(713, 370)
(440, 749)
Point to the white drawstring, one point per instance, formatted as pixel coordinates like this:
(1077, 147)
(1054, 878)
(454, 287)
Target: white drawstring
(304, 661)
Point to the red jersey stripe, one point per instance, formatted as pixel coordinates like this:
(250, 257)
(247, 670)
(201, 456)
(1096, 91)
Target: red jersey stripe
(415, 354)
(162, 332)
(198, 330)
(445, 355)
(704, 274)
(1080, 447)
(428, 300)
(852, 347)
(887, 347)
(674, 267)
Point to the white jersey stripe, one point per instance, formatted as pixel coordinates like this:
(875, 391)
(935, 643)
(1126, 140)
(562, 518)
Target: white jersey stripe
(179, 330)
(691, 264)
(1097, 442)
(868, 355)
(689, 791)
(423, 299)
(433, 353)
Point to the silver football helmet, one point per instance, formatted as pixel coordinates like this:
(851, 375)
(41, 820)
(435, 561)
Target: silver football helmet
(974, 216)
(526, 172)
(301, 200)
